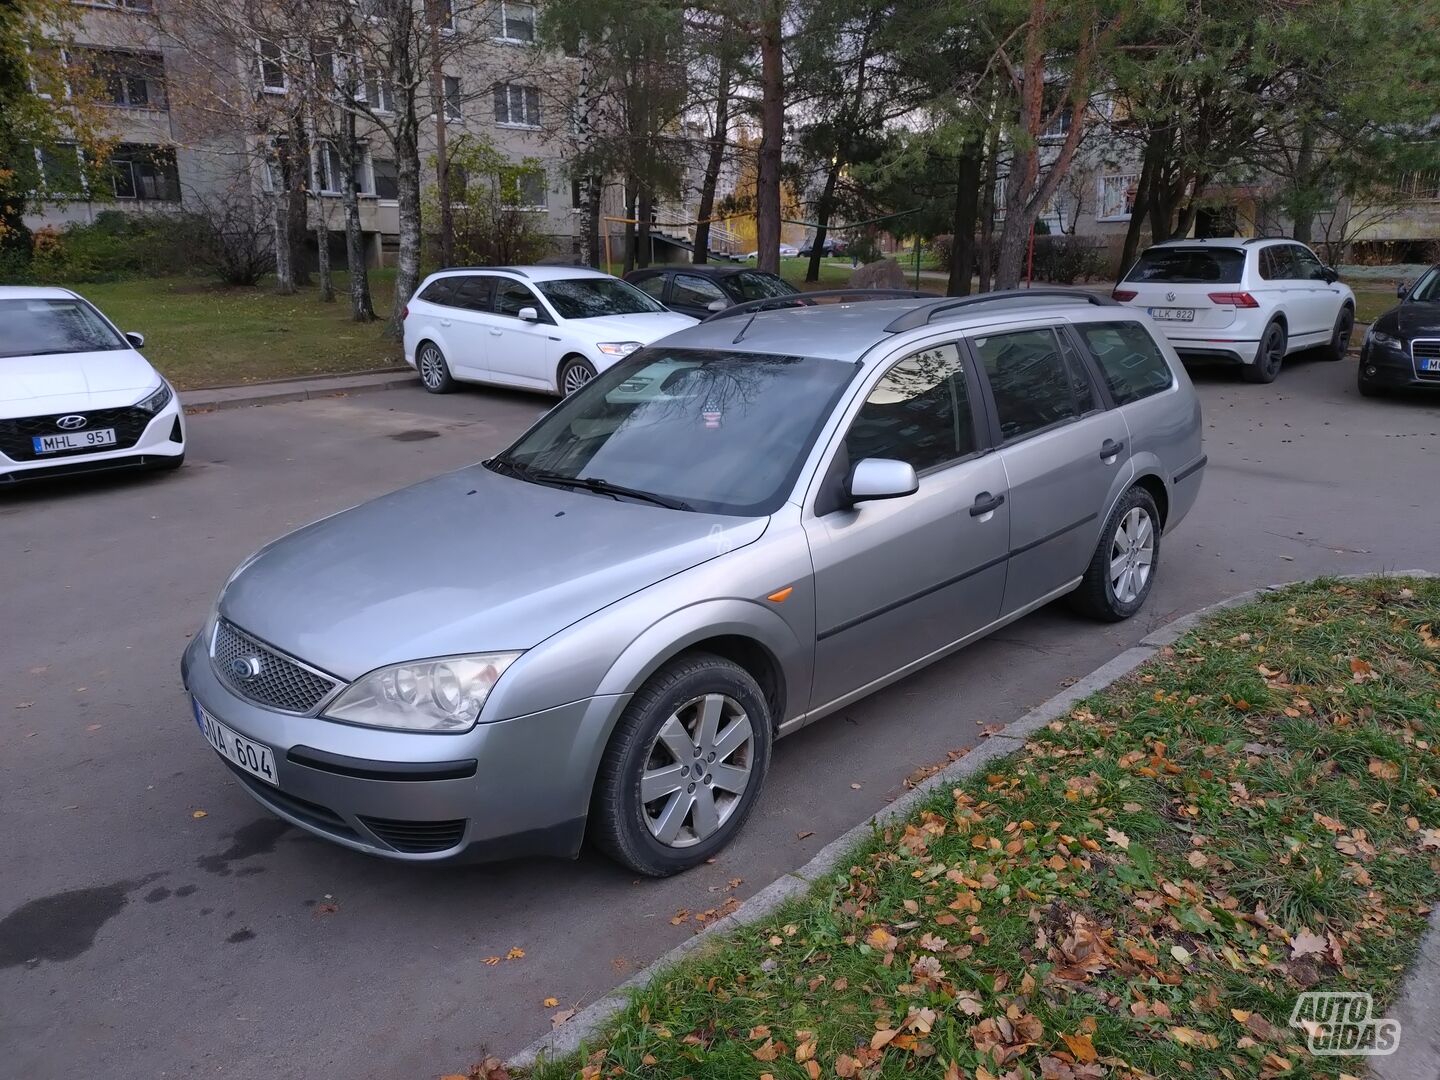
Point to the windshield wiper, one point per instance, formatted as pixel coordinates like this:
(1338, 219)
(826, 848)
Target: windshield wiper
(598, 485)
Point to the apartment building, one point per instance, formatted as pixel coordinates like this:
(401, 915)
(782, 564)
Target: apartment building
(180, 149)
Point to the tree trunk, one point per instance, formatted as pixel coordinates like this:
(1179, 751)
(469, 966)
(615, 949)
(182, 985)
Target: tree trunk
(772, 134)
(407, 183)
(645, 211)
(594, 192)
(962, 228)
(630, 197)
(718, 139)
(298, 176)
(986, 249)
(322, 256)
(362, 308)
(442, 157)
(1304, 213)
(1138, 210)
(284, 270)
(823, 209)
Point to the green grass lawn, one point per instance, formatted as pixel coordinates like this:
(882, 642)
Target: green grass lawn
(201, 334)
(1142, 892)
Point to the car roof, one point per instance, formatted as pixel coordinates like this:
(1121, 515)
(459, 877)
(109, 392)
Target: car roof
(1226, 242)
(850, 331)
(702, 269)
(35, 292)
(530, 273)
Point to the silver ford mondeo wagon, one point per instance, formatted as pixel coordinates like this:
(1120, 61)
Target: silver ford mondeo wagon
(730, 534)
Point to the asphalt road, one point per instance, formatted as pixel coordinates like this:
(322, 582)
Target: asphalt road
(138, 939)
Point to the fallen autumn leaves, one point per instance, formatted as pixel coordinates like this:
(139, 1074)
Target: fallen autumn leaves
(1142, 892)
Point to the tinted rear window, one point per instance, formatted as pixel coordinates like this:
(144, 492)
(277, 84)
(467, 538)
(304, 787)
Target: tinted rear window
(439, 292)
(1133, 365)
(1193, 266)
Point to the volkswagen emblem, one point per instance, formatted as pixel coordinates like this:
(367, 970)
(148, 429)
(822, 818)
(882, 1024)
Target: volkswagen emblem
(245, 668)
(73, 422)
(1170, 296)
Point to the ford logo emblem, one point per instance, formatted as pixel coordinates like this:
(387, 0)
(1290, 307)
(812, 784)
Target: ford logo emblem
(245, 668)
(73, 422)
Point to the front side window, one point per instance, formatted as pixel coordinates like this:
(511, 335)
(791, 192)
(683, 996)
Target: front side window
(696, 290)
(1426, 290)
(919, 412)
(517, 105)
(593, 297)
(722, 432)
(472, 293)
(654, 285)
(1029, 380)
(1189, 266)
(54, 327)
(751, 285)
(1307, 266)
(1132, 363)
(511, 296)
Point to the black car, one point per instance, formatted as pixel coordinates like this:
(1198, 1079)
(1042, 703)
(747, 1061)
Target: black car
(1402, 347)
(703, 290)
(832, 246)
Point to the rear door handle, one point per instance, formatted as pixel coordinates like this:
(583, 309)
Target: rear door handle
(1110, 448)
(984, 503)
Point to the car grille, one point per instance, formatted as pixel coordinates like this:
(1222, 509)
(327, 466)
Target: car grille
(15, 435)
(417, 837)
(281, 683)
(1425, 350)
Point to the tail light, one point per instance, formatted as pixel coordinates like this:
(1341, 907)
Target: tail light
(1234, 299)
(404, 312)
(1123, 295)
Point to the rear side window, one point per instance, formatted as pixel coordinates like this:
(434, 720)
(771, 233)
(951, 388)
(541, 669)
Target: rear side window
(1029, 379)
(918, 412)
(1133, 365)
(471, 293)
(654, 285)
(439, 292)
(693, 289)
(1278, 263)
(1189, 266)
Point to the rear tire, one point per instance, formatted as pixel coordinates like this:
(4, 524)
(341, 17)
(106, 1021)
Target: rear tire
(1268, 357)
(575, 372)
(696, 731)
(434, 371)
(1339, 345)
(1122, 570)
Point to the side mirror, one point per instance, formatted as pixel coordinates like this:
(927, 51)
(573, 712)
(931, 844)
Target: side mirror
(1402, 290)
(135, 339)
(716, 305)
(1330, 274)
(881, 478)
(529, 314)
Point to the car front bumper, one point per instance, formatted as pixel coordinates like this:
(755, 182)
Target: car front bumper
(1393, 368)
(160, 442)
(503, 789)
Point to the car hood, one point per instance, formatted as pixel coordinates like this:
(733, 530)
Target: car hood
(73, 382)
(471, 561)
(644, 327)
(1411, 320)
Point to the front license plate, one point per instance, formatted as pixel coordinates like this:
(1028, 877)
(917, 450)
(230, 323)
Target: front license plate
(1173, 314)
(255, 758)
(1430, 363)
(73, 440)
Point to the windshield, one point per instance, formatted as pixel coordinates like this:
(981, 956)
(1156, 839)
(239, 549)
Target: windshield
(1189, 266)
(591, 297)
(46, 327)
(753, 286)
(724, 432)
(1427, 289)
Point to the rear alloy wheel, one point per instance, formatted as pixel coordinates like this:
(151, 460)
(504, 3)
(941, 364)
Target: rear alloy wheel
(1122, 569)
(1340, 339)
(434, 371)
(575, 372)
(1268, 357)
(684, 767)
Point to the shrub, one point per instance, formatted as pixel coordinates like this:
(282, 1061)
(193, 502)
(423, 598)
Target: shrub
(942, 251)
(117, 244)
(233, 242)
(1065, 260)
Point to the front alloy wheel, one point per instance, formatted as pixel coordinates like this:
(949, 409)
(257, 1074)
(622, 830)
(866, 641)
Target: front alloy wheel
(575, 373)
(698, 770)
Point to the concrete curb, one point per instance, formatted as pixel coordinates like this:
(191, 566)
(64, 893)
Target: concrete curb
(282, 390)
(1420, 996)
(1418, 1055)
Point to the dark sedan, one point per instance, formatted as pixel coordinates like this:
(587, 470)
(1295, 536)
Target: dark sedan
(1402, 348)
(703, 290)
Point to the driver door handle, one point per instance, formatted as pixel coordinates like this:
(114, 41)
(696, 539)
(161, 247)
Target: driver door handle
(984, 503)
(1110, 448)
(496, 333)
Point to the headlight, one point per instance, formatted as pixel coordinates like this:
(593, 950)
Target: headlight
(619, 348)
(155, 401)
(1382, 340)
(426, 695)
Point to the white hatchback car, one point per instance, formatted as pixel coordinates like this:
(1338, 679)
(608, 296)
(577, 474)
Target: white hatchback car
(76, 396)
(550, 328)
(1247, 301)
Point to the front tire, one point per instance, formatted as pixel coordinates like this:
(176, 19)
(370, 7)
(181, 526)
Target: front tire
(684, 767)
(1268, 357)
(434, 371)
(575, 372)
(1122, 570)
(1340, 337)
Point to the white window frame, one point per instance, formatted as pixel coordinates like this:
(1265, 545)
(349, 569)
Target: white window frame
(1123, 215)
(43, 191)
(321, 172)
(524, 89)
(451, 105)
(279, 60)
(534, 208)
(1058, 128)
(380, 78)
(502, 11)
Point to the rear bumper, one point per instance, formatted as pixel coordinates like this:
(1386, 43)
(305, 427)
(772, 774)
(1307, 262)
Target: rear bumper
(1230, 352)
(503, 789)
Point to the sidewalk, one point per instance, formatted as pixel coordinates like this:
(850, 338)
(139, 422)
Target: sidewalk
(281, 390)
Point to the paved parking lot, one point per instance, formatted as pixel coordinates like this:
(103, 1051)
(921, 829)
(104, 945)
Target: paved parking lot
(140, 938)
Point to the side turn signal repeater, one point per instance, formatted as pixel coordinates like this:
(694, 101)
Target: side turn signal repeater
(779, 596)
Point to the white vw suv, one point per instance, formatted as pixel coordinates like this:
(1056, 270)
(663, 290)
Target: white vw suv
(549, 328)
(1248, 301)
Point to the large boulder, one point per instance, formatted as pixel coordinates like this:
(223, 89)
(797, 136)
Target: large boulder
(880, 274)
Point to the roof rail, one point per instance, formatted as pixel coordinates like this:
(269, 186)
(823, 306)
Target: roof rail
(807, 299)
(922, 316)
(506, 269)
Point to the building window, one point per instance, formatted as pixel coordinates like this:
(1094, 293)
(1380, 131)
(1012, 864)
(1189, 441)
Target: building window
(452, 97)
(1059, 127)
(60, 170)
(1117, 197)
(272, 67)
(377, 91)
(387, 179)
(443, 12)
(130, 80)
(530, 190)
(329, 171)
(514, 22)
(145, 173)
(517, 105)
(1419, 186)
